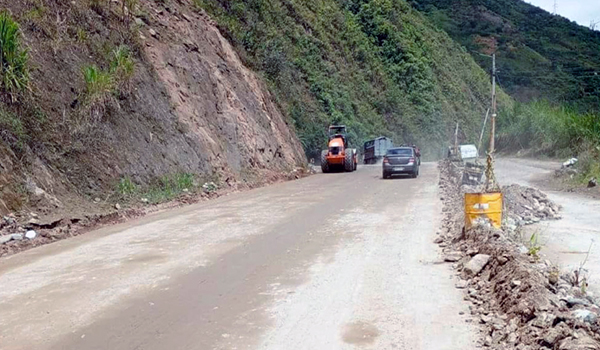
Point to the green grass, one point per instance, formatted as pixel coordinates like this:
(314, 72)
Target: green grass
(555, 131)
(547, 129)
(98, 84)
(159, 190)
(14, 70)
(82, 35)
(12, 130)
(588, 163)
(533, 246)
(36, 13)
(537, 126)
(169, 187)
(122, 65)
(131, 7)
(127, 187)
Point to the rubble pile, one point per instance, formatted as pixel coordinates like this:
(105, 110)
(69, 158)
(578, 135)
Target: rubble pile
(517, 301)
(527, 205)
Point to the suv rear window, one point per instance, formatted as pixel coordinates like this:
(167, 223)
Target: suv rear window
(400, 152)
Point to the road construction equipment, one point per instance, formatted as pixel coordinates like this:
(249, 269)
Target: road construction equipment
(338, 154)
(375, 149)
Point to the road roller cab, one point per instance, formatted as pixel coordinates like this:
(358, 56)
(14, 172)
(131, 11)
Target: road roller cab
(338, 153)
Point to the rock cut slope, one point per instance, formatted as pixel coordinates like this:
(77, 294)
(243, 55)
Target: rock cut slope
(189, 107)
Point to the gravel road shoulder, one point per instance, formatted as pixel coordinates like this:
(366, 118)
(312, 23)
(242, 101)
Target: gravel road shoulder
(567, 241)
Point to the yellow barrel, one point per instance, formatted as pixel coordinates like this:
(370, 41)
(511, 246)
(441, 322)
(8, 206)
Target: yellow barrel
(483, 207)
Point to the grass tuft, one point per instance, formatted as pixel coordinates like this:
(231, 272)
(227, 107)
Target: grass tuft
(14, 59)
(163, 189)
(122, 65)
(99, 84)
(12, 130)
(127, 187)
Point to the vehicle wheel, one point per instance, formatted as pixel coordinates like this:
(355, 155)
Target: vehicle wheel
(349, 160)
(415, 174)
(324, 164)
(385, 175)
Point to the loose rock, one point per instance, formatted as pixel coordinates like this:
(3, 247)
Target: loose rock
(452, 257)
(584, 342)
(33, 221)
(585, 316)
(462, 284)
(592, 182)
(576, 301)
(554, 335)
(31, 234)
(476, 264)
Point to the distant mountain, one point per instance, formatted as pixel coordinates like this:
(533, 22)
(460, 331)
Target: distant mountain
(539, 55)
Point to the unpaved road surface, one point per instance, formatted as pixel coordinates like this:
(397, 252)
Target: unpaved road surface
(333, 261)
(566, 241)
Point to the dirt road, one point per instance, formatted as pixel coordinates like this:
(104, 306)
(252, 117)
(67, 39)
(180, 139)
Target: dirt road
(567, 241)
(333, 261)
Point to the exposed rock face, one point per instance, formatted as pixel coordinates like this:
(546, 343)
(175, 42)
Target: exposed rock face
(191, 106)
(224, 105)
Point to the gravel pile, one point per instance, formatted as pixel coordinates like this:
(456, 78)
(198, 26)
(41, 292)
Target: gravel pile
(527, 205)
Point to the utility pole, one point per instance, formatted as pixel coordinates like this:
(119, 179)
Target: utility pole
(487, 114)
(555, 7)
(489, 172)
(456, 139)
(493, 134)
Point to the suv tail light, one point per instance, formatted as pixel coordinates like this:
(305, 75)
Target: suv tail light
(385, 160)
(411, 160)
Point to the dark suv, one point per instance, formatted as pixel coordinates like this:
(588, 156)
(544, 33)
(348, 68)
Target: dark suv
(400, 160)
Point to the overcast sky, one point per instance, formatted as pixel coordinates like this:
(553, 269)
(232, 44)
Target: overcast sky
(580, 11)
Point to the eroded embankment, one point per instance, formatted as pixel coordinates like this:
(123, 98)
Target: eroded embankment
(518, 301)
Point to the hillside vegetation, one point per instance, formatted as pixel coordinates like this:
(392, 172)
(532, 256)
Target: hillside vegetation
(540, 55)
(377, 66)
(542, 128)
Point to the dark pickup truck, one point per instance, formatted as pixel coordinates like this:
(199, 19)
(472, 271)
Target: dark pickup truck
(400, 160)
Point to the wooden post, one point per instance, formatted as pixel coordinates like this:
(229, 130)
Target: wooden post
(483, 130)
(493, 133)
